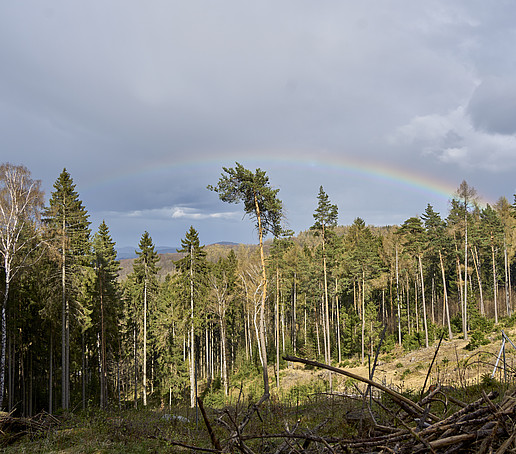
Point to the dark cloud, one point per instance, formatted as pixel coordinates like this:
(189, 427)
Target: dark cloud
(145, 103)
(493, 106)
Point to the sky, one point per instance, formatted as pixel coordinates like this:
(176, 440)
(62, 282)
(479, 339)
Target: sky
(389, 105)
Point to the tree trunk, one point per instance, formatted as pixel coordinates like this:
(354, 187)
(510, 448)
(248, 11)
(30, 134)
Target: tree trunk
(423, 299)
(294, 317)
(474, 253)
(495, 282)
(262, 306)
(64, 382)
(398, 298)
(193, 378)
(224, 355)
(326, 308)
(362, 302)
(145, 341)
(51, 373)
(135, 351)
(338, 321)
(277, 329)
(465, 308)
(446, 304)
(3, 340)
(506, 263)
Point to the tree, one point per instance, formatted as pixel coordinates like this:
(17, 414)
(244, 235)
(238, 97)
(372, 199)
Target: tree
(277, 252)
(415, 243)
(107, 295)
(493, 234)
(237, 184)
(363, 264)
(20, 202)
(222, 278)
(145, 270)
(193, 269)
(437, 241)
(467, 197)
(67, 221)
(325, 217)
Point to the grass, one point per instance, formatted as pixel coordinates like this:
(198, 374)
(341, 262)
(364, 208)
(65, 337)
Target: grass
(304, 403)
(305, 407)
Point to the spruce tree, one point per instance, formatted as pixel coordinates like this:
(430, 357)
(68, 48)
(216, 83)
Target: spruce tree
(68, 227)
(193, 271)
(106, 300)
(144, 277)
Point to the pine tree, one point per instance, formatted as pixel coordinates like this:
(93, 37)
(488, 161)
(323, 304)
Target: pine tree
(363, 264)
(325, 217)
(415, 243)
(493, 234)
(261, 203)
(438, 241)
(67, 221)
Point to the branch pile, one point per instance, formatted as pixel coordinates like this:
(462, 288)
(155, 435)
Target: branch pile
(12, 428)
(479, 427)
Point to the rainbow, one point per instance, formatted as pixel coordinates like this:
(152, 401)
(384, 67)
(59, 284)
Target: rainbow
(375, 171)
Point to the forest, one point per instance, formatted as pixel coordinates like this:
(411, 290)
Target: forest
(74, 335)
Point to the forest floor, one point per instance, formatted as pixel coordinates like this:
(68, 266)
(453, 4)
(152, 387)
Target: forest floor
(159, 430)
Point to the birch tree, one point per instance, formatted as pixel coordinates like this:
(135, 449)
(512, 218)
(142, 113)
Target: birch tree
(20, 203)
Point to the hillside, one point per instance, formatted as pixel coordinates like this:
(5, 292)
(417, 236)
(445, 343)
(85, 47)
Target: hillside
(167, 259)
(454, 366)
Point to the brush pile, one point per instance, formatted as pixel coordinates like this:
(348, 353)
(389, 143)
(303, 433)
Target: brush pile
(479, 427)
(487, 425)
(12, 428)
(482, 426)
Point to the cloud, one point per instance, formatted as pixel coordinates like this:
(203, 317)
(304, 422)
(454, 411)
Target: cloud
(170, 213)
(459, 138)
(492, 107)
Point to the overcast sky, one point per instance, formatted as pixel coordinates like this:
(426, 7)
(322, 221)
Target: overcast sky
(387, 104)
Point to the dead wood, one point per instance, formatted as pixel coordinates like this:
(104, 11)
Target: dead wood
(214, 440)
(408, 405)
(13, 428)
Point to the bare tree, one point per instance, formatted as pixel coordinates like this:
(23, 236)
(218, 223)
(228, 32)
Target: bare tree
(21, 201)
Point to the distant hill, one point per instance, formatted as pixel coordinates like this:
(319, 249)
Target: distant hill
(167, 256)
(129, 252)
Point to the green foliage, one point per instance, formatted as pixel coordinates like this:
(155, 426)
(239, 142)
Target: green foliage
(477, 339)
(414, 341)
(326, 214)
(238, 184)
(305, 391)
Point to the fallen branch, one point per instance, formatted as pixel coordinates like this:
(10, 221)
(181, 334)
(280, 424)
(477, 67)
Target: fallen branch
(402, 401)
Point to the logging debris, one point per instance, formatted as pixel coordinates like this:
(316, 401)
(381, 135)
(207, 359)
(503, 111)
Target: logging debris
(13, 428)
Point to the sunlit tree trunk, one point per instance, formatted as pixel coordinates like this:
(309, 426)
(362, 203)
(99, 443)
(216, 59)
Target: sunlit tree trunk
(474, 253)
(446, 308)
(495, 283)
